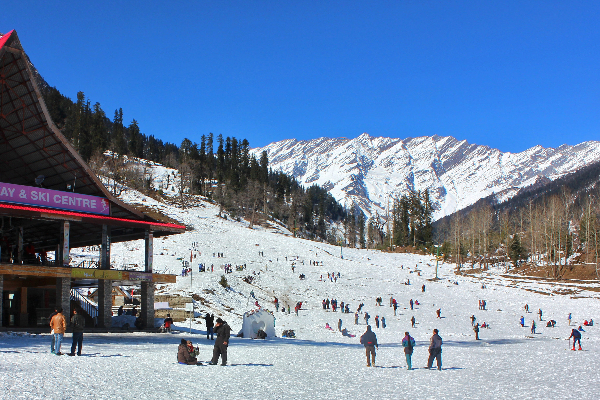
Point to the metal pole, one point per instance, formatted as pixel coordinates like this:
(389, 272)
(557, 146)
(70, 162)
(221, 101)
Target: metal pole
(437, 260)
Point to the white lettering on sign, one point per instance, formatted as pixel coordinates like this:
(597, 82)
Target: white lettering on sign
(14, 193)
(8, 192)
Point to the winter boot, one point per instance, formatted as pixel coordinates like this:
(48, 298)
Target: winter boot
(579, 348)
(573, 348)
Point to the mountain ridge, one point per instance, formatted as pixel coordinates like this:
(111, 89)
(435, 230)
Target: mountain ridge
(368, 171)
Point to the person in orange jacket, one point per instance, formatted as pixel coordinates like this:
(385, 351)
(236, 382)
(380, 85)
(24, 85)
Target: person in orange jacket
(58, 325)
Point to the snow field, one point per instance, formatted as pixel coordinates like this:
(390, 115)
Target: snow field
(508, 362)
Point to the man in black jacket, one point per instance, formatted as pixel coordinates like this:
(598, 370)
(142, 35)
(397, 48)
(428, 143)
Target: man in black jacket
(222, 330)
(78, 323)
(209, 326)
(369, 340)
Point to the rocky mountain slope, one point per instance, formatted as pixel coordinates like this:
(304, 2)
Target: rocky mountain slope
(370, 171)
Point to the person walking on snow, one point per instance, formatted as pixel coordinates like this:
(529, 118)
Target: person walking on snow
(435, 350)
(377, 321)
(476, 330)
(408, 343)
(411, 303)
(438, 312)
(473, 320)
(540, 313)
(367, 316)
(369, 340)
(522, 321)
(356, 318)
(533, 327)
(383, 322)
(576, 338)
(412, 321)
(569, 319)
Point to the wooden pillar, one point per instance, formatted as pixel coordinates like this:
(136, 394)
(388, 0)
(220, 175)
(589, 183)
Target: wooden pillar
(1, 298)
(64, 249)
(104, 303)
(63, 296)
(147, 298)
(23, 315)
(105, 285)
(149, 251)
(105, 249)
(19, 245)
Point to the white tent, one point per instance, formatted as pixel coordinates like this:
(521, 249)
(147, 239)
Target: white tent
(256, 320)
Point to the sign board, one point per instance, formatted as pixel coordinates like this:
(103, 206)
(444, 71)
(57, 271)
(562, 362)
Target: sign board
(140, 276)
(11, 193)
(189, 307)
(92, 273)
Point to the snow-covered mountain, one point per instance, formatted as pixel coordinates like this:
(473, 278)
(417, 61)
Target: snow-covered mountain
(370, 171)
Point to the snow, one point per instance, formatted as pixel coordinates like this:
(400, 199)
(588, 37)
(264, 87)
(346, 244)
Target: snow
(508, 361)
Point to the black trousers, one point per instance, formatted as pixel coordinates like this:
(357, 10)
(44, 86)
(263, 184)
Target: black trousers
(77, 342)
(437, 354)
(219, 350)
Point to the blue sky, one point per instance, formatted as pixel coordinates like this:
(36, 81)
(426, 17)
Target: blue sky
(509, 74)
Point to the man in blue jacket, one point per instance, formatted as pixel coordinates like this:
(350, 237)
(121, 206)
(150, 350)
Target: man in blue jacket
(369, 340)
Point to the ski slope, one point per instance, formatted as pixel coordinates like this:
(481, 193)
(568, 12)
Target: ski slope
(508, 361)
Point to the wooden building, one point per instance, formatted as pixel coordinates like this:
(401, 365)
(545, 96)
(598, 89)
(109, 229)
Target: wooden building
(50, 202)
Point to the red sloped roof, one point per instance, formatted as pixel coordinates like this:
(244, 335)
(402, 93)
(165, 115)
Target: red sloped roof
(4, 38)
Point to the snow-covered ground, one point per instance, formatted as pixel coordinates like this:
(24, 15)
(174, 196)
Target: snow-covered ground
(508, 361)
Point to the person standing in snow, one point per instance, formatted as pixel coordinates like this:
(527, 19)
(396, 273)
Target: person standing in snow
(408, 343)
(367, 316)
(435, 350)
(210, 323)
(78, 323)
(438, 312)
(377, 321)
(411, 303)
(576, 338)
(540, 313)
(423, 289)
(569, 319)
(473, 320)
(356, 318)
(383, 322)
(413, 321)
(223, 332)
(476, 330)
(53, 342)
(522, 321)
(59, 326)
(369, 340)
(533, 327)
(340, 324)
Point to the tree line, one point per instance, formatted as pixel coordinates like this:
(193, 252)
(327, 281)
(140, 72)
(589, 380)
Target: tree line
(244, 186)
(554, 225)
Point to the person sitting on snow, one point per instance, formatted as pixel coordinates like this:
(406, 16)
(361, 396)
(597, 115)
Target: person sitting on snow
(184, 355)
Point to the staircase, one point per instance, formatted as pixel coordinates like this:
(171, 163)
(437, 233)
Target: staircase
(89, 306)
